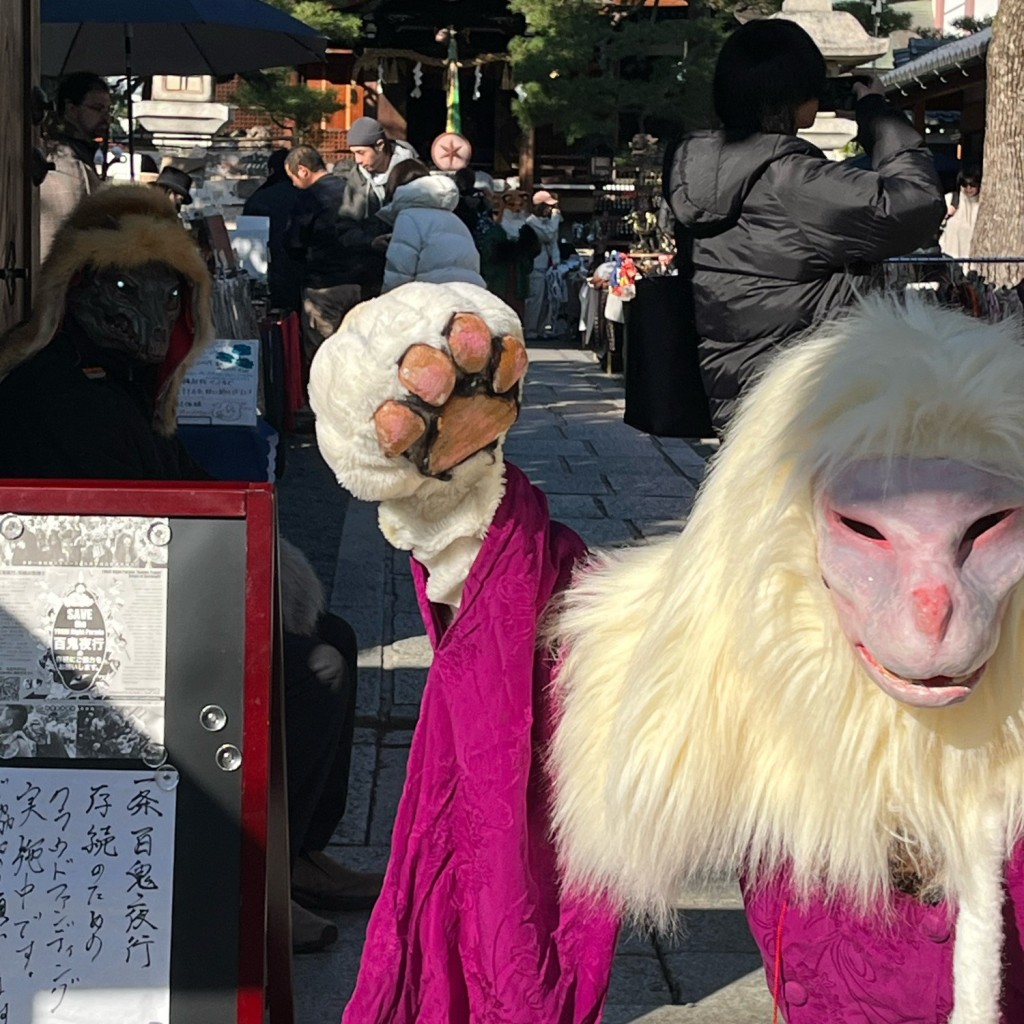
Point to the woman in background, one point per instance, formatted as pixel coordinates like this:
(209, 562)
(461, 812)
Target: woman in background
(773, 234)
(962, 214)
(428, 241)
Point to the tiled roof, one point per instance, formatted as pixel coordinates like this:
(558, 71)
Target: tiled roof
(942, 59)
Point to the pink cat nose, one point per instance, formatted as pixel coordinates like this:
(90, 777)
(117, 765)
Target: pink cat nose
(932, 609)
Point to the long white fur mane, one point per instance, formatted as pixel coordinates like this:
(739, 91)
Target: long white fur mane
(714, 715)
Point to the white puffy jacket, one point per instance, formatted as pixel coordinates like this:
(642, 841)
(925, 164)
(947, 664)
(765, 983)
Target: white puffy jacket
(428, 242)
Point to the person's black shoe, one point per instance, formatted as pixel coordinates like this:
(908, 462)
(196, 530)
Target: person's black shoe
(310, 933)
(320, 883)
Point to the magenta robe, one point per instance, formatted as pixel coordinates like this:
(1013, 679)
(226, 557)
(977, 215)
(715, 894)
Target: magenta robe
(471, 927)
(840, 966)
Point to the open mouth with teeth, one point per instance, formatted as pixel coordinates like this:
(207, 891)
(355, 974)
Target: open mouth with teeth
(935, 691)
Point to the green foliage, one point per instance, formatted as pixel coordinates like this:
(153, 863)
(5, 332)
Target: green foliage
(889, 19)
(285, 103)
(324, 17)
(966, 24)
(288, 103)
(580, 69)
(119, 109)
(734, 10)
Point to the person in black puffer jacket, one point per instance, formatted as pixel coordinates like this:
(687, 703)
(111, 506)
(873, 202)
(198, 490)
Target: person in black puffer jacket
(779, 234)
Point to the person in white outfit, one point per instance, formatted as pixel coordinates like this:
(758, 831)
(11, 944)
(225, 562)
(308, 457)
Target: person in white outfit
(963, 215)
(545, 221)
(428, 241)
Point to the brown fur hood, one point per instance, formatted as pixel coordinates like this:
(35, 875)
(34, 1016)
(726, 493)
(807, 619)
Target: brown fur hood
(120, 226)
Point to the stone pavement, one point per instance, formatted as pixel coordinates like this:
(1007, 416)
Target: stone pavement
(614, 486)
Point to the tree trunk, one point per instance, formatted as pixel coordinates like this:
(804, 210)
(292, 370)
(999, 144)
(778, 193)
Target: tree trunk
(1000, 228)
(527, 153)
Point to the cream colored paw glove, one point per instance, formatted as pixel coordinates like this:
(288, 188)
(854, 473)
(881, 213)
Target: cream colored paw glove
(441, 521)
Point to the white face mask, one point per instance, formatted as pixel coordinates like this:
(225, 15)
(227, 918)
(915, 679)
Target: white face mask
(919, 556)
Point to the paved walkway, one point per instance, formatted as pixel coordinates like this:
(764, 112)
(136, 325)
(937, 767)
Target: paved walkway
(614, 486)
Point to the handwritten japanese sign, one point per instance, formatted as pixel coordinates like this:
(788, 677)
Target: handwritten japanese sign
(86, 870)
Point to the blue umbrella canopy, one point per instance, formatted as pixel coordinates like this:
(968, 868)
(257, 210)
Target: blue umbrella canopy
(172, 37)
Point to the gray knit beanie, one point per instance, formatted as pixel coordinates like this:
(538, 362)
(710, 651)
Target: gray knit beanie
(366, 131)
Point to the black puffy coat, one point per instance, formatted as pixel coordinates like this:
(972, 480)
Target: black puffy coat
(275, 199)
(311, 235)
(781, 235)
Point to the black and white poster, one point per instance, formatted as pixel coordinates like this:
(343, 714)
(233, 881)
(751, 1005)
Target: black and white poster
(83, 625)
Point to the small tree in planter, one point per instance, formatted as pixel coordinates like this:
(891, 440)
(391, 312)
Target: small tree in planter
(278, 93)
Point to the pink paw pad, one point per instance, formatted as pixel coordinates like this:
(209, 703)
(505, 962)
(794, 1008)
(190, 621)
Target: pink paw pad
(458, 404)
(428, 373)
(471, 342)
(512, 364)
(398, 426)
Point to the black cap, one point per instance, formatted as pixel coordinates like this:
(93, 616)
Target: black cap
(176, 180)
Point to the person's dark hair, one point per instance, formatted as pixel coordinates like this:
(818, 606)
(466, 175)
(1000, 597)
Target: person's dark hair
(402, 173)
(276, 162)
(465, 178)
(19, 712)
(969, 176)
(75, 87)
(304, 156)
(766, 69)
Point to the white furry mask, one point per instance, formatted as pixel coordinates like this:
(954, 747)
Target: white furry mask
(513, 223)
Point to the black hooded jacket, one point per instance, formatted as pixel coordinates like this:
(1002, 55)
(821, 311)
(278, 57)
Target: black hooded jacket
(780, 234)
(71, 409)
(74, 411)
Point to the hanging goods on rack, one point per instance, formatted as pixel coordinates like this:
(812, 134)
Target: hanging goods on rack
(959, 283)
(233, 312)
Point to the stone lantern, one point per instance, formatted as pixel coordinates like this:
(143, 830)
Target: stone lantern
(845, 45)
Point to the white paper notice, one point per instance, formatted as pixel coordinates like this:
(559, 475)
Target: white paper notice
(223, 385)
(83, 627)
(86, 887)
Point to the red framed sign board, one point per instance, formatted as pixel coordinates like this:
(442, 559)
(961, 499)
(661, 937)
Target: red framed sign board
(143, 826)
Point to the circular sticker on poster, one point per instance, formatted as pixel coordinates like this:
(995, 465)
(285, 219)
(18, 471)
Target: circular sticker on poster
(451, 151)
(79, 640)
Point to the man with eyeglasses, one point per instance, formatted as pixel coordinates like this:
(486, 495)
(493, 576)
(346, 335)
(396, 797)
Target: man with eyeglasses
(81, 117)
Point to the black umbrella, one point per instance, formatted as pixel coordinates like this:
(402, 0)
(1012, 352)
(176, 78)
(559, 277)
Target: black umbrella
(173, 37)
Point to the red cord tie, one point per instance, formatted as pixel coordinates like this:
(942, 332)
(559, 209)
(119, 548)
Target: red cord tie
(777, 980)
